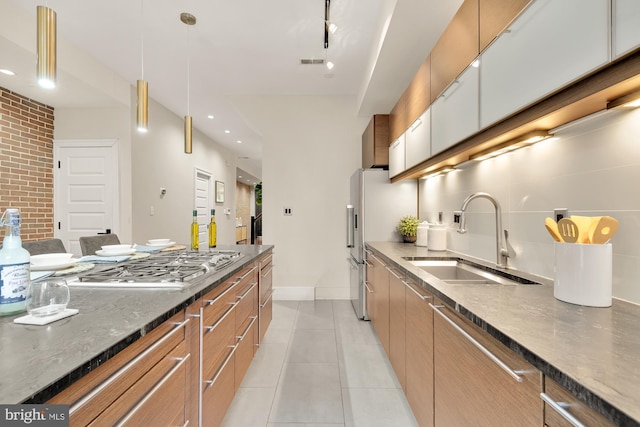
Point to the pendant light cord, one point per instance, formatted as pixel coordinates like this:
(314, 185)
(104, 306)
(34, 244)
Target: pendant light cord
(188, 70)
(142, 39)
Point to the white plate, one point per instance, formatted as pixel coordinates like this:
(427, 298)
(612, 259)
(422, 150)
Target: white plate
(54, 266)
(164, 245)
(116, 253)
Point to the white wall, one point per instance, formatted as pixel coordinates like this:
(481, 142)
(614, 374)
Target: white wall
(312, 145)
(591, 167)
(159, 161)
(103, 123)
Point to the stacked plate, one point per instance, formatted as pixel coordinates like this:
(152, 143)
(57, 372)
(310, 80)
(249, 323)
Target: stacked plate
(52, 262)
(160, 243)
(116, 250)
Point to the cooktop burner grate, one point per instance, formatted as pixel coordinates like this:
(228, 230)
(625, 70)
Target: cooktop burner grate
(165, 267)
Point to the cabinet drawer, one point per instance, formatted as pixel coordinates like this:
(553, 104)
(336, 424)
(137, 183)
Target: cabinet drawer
(498, 387)
(215, 340)
(95, 392)
(153, 400)
(266, 282)
(554, 394)
(266, 314)
(218, 392)
(217, 303)
(266, 262)
(245, 350)
(247, 305)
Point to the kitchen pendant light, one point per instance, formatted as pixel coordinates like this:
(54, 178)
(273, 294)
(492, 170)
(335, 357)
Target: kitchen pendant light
(189, 20)
(142, 112)
(46, 47)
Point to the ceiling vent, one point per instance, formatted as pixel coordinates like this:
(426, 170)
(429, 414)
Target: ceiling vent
(312, 61)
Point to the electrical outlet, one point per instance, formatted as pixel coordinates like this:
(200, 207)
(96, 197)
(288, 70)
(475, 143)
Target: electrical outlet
(288, 211)
(560, 213)
(456, 217)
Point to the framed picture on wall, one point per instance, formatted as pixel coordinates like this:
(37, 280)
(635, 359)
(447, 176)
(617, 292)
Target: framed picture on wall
(219, 192)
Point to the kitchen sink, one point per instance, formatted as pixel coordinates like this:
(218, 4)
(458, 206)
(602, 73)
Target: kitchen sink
(457, 272)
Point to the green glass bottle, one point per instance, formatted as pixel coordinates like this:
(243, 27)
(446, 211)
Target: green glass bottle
(213, 230)
(195, 231)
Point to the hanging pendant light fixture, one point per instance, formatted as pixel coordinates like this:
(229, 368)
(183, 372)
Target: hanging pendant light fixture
(142, 112)
(46, 47)
(189, 20)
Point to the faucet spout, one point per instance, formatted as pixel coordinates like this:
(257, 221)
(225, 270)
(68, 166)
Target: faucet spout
(502, 254)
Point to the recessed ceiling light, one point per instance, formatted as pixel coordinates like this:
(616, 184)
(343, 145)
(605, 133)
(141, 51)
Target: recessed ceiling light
(239, 176)
(210, 116)
(227, 131)
(239, 142)
(7, 72)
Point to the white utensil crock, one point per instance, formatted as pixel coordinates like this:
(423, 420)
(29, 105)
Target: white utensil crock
(583, 274)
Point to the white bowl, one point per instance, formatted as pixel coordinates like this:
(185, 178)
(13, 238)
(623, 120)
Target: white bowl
(50, 259)
(115, 248)
(158, 241)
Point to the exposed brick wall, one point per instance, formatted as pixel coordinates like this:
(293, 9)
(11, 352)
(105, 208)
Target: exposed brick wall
(26, 163)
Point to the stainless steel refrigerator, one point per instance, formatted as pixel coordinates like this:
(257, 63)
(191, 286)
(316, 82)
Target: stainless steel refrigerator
(374, 209)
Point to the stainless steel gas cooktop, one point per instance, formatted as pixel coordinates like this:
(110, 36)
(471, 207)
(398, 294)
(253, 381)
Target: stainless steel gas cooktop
(161, 270)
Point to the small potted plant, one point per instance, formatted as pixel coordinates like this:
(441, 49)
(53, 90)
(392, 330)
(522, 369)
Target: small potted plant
(408, 228)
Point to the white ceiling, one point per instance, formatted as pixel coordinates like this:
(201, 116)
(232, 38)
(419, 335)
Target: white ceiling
(240, 47)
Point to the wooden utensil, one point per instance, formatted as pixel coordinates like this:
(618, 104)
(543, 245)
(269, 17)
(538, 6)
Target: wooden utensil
(552, 228)
(568, 230)
(602, 230)
(584, 224)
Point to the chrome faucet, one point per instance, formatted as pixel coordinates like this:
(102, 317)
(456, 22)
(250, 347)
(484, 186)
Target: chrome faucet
(502, 255)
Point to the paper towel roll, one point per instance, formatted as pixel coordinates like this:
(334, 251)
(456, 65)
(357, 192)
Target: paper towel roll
(423, 232)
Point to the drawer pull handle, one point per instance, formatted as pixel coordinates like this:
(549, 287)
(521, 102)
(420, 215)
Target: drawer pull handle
(560, 410)
(246, 331)
(246, 274)
(212, 381)
(393, 272)
(268, 272)
(215, 325)
(367, 263)
(241, 297)
(422, 297)
(155, 388)
(125, 368)
(264, 304)
(366, 285)
(213, 301)
(495, 359)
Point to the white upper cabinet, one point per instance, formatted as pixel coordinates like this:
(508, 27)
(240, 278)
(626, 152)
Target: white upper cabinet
(418, 140)
(552, 43)
(626, 26)
(396, 157)
(454, 114)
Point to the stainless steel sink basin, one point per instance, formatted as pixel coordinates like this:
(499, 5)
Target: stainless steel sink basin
(456, 272)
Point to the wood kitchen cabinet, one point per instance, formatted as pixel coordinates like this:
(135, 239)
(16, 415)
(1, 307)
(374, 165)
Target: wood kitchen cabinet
(265, 281)
(145, 384)
(398, 118)
(419, 349)
(559, 405)
(397, 326)
(456, 48)
(378, 282)
(246, 322)
(478, 381)
(375, 142)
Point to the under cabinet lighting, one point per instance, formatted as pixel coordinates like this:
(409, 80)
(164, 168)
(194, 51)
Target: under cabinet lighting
(631, 100)
(519, 142)
(437, 172)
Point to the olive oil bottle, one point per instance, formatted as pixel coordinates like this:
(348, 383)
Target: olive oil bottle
(213, 230)
(195, 231)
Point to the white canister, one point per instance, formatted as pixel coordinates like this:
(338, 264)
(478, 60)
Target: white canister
(437, 240)
(422, 235)
(584, 274)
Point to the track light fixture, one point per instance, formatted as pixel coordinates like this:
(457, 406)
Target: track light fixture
(46, 47)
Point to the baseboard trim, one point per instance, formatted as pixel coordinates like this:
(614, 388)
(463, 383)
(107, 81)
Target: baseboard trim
(294, 293)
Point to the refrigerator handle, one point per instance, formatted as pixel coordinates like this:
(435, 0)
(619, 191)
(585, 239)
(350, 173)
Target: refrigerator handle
(351, 226)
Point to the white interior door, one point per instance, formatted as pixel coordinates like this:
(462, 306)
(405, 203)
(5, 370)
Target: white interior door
(85, 190)
(203, 204)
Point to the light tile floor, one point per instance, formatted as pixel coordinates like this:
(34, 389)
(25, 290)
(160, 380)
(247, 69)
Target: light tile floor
(319, 366)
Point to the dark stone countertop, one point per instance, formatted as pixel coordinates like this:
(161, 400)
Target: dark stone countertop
(595, 352)
(35, 361)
